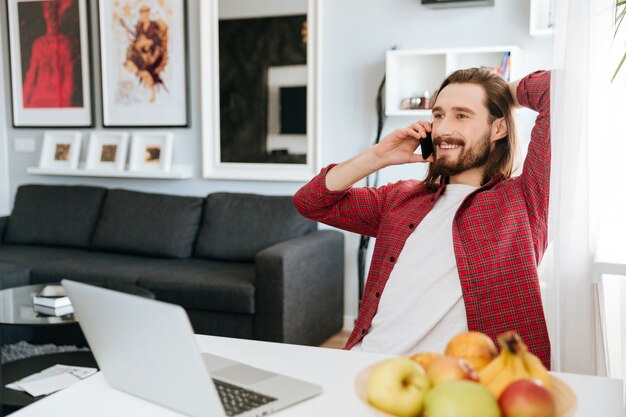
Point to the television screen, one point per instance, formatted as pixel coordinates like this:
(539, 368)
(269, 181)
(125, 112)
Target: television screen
(293, 110)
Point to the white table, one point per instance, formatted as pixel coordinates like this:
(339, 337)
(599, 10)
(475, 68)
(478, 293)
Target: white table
(334, 369)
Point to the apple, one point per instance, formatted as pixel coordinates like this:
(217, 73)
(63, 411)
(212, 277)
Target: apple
(460, 399)
(475, 347)
(447, 368)
(425, 358)
(398, 386)
(527, 398)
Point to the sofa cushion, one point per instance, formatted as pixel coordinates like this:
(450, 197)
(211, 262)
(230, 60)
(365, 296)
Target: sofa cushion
(59, 215)
(95, 268)
(237, 226)
(148, 224)
(12, 275)
(203, 285)
(26, 255)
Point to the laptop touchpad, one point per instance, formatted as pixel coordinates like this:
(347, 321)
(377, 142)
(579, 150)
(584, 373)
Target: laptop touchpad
(242, 374)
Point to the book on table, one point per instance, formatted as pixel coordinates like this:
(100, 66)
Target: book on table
(51, 311)
(52, 296)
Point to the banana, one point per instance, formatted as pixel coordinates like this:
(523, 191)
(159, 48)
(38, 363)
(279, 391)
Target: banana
(513, 363)
(536, 369)
(501, 381)
(493, 369)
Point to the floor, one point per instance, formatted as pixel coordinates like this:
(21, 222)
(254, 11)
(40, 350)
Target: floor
(337, 341)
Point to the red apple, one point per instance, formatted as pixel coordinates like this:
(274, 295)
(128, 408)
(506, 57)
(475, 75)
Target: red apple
(448, 368)
(527, 398)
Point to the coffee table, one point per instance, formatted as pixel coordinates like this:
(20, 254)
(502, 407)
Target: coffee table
(16, 309)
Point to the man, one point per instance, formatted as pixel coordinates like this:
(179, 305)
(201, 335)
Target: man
(460, 249)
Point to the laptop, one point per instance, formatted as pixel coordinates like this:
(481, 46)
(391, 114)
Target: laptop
(147, 348)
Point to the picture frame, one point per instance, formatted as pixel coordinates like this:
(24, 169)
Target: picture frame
(144, 57)
(272, 155)
(151, 151)
(107, 151)
(60, 150)
(53, 35)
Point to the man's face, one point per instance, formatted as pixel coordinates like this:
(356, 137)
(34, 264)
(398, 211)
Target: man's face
(461, 132)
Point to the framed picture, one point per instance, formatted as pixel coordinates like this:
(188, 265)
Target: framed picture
(60, 150)
(49, 60)
(143, 49)
(261, 99)
(151, 152)
(107, 151)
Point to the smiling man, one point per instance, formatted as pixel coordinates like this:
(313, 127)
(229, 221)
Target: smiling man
(458, 250)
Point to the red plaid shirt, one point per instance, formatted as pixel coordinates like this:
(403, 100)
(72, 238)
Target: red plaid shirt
(499, 233)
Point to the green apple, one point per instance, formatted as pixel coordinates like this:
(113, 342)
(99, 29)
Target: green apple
(460, 399)
(398, 386)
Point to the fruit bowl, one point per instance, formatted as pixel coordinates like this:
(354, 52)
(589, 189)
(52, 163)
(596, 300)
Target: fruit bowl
(564, 397)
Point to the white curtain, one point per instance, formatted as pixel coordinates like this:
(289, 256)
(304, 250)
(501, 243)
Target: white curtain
(583, 129)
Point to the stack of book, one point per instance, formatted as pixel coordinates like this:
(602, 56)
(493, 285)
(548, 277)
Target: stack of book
(52, 301)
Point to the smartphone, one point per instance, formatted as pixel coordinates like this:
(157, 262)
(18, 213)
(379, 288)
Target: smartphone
(427, 145)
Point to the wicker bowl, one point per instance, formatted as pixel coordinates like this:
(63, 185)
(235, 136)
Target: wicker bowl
(563, 395)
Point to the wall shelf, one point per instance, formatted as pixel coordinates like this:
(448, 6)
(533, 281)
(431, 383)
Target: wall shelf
(541, 18)
(411, 73)
(177, 172)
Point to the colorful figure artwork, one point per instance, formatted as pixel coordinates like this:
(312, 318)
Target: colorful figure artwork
(143, 62)
(146, 56)
(50, 60)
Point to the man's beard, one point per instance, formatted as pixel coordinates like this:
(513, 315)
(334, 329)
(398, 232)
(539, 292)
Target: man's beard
(475, 156)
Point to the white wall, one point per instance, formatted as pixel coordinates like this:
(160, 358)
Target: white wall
(4, 161)
(355, 35)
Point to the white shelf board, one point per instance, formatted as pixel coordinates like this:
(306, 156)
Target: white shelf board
(420, 113)
(177, 172)
(413, 72)
(541, 32)
(429, 112)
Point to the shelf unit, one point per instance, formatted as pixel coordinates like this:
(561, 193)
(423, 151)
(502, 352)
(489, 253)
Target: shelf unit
(177, 172)
(541, 17)
(412, 72)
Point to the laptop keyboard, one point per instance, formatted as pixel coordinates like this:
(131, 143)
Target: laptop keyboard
(237, 400)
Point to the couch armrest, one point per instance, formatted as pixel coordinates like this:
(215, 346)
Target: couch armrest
(299, 289)
(4, 220)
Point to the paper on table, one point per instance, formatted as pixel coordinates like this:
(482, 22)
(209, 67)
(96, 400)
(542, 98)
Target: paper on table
(49, 384)
(51, 379)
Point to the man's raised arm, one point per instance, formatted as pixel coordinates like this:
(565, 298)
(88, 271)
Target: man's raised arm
(329, 198)
(533, 91)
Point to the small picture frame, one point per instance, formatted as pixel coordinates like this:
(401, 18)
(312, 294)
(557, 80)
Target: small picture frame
(60, 150)
(107, 151)
(151, 151)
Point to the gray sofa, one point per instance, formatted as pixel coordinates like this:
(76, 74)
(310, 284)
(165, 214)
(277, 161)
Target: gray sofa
(242, 265)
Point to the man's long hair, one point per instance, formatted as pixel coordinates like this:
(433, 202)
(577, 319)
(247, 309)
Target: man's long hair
(500, 102)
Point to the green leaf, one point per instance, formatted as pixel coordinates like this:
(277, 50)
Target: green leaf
(618, 22)
(619, 14)
(619, 18)
(619, 67)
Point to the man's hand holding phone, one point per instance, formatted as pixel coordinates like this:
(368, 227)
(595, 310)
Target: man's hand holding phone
(399, 146)
(396, 148)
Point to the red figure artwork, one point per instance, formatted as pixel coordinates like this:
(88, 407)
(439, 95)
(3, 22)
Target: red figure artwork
(51, 61)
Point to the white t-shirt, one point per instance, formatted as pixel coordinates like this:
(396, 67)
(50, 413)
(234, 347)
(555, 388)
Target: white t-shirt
(422, 305)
